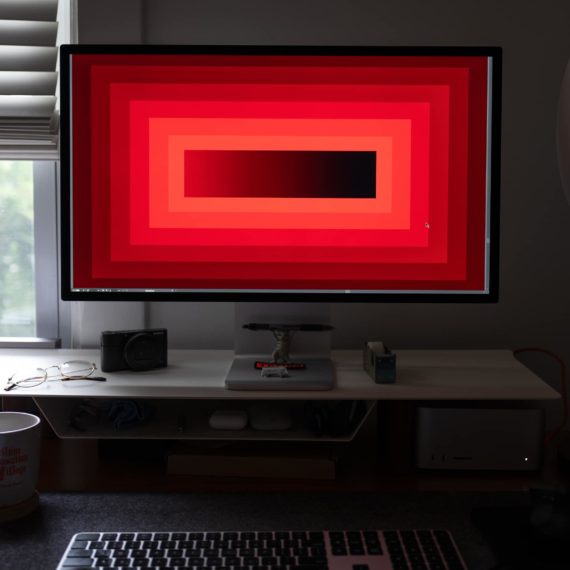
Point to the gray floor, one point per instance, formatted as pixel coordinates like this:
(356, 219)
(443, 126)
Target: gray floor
(38, 541)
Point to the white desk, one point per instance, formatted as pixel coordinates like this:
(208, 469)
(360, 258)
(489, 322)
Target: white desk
(193, 383)
(421, 375)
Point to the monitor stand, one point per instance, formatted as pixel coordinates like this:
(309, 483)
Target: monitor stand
(255, 347)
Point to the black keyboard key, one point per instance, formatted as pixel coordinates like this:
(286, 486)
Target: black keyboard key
(79, 554)
(88, 536)
(176, 553)
(247, 552)
(356, 549)
(77, 563)
(225, 552)
(154, 551)
(79, 545)
(435, 560)
(265, 552)
(210, 552)
(102, 553)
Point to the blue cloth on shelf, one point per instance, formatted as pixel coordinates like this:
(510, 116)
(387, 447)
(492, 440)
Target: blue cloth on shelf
(128, 413)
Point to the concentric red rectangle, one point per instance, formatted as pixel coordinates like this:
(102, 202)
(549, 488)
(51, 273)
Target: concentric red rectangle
(450, 254)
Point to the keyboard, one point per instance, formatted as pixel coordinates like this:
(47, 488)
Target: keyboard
(288, 550)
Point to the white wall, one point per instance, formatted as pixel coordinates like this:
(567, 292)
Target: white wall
(535, 222)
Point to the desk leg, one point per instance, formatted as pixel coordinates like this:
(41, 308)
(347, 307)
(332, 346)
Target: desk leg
(396, 436)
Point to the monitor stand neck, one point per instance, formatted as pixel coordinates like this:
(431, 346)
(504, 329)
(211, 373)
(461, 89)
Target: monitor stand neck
(310, 348)
(263, 342)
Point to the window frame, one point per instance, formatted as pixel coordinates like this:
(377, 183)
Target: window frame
(53, 320)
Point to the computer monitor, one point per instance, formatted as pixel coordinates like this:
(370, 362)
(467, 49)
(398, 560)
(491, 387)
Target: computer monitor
(280, 173)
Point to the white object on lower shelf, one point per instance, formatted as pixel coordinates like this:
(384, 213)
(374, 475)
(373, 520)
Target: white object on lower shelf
(228, 419)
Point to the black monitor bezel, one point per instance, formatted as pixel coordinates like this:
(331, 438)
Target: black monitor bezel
(69, 294)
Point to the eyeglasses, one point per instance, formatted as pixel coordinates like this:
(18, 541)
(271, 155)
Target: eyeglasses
(72, 370)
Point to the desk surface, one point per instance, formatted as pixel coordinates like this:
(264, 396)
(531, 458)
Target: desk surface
(37, 542)
(421, 375)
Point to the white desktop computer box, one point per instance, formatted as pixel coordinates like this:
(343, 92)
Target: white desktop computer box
(479, 439)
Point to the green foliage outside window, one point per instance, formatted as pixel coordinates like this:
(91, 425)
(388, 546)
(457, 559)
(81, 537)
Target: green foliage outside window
(17, 288)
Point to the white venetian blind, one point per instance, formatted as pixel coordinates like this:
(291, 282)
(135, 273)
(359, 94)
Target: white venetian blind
(29, 119)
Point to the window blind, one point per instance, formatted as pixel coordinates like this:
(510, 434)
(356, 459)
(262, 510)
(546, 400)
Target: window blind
(29, 118)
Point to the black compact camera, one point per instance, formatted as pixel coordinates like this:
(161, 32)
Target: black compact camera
(133, 350)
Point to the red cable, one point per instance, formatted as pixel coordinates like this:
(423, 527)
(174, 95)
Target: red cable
(563, 389)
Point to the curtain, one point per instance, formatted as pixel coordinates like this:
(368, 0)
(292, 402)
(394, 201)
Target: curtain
(29, 117)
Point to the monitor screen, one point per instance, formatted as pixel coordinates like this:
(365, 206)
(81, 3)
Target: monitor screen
(280, 173)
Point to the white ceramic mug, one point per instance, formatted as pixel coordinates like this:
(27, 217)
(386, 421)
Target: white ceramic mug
(20, 436)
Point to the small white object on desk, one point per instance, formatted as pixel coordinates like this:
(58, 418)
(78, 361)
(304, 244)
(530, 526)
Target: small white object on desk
(274, 372)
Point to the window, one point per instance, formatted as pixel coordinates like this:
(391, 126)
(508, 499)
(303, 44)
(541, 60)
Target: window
(17, 273)
(29, 297)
